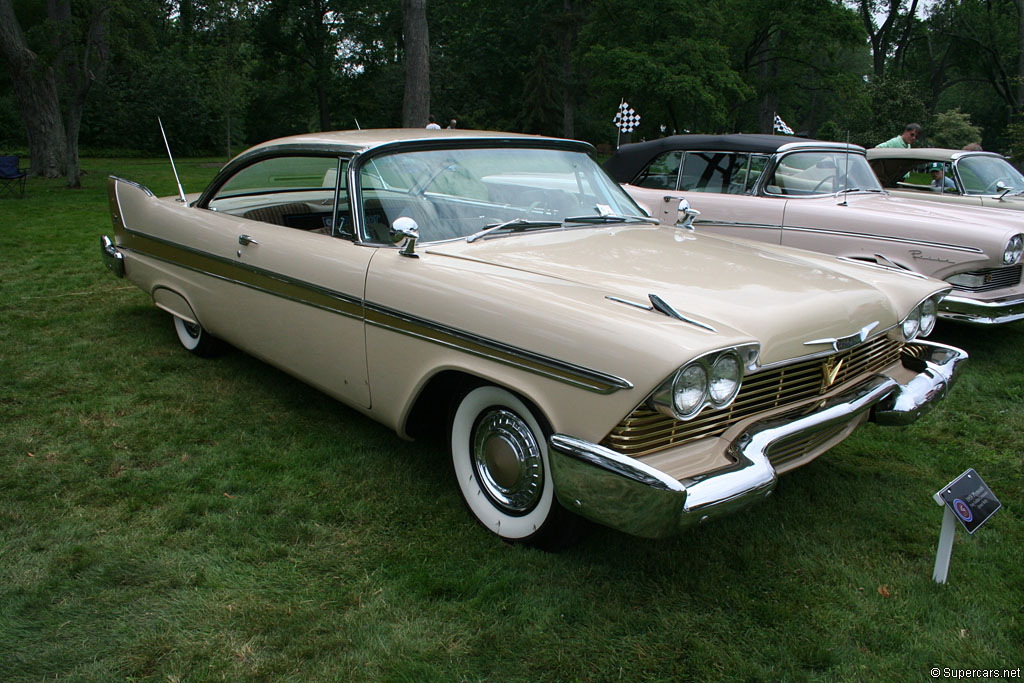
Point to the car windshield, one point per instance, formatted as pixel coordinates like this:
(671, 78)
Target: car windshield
(459, 192)
(982, 175)
(822, 172)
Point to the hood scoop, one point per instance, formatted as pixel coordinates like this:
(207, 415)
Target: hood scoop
(661, 306)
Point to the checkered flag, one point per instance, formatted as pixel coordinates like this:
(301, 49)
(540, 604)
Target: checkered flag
(626, 120)
(781, 126)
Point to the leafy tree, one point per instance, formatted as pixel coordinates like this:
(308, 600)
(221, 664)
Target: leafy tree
(53, 64)
(952, 130)
(665, 60)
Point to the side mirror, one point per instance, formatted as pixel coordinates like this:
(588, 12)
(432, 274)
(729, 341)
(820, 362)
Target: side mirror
(686, 214)
(1002, 188)
(404, 233)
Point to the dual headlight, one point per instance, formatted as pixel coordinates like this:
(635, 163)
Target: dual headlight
(921, 320)
(712, 380)
(1013, 250)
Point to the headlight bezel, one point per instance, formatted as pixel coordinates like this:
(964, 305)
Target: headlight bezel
(922, 318)
(1013, 250)
(742, 358)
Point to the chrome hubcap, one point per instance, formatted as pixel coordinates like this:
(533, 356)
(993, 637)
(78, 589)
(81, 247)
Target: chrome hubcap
(193, 329)
(507, 461)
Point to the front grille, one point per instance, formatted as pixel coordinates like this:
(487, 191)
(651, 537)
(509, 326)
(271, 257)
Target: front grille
(646, 431)
(994, 278)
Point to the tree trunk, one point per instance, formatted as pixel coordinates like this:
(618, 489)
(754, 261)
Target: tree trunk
(35, 87)
(568, 36)
(1020, 55)
(416, 104)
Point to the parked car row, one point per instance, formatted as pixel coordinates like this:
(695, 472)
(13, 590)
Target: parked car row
(583, 358)
(824, 196)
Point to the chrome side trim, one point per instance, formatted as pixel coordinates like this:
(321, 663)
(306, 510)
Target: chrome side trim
(310, 294)
(570, 373)
(978, 312)
(888, 267)
(886, 238)
(736, 224)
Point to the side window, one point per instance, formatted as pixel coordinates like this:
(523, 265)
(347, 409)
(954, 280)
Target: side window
(292, 191)
(661, 174)
(758, 162)
(721, 172)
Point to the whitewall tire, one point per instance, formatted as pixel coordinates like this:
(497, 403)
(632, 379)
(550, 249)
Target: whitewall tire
(196, 339)
(500, 457)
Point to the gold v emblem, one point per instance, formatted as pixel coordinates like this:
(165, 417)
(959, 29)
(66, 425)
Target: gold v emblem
(829, 372)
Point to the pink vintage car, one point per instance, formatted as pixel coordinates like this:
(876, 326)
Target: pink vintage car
(823, 196)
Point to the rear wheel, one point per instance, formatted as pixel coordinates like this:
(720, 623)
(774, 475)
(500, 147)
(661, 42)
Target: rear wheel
(197, 340)
(500, 456)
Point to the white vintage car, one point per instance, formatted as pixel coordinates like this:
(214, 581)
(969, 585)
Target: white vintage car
(824, 196)
(581, 358)
(952, 176)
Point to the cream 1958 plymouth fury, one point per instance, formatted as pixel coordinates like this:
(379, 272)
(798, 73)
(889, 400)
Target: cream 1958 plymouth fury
(824, 196)
(582, 358)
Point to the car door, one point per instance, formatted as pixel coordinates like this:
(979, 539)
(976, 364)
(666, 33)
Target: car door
(719, 185)
(292, 293)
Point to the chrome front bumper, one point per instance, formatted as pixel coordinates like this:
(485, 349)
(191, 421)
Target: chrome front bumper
(624, 493)
(978, 312)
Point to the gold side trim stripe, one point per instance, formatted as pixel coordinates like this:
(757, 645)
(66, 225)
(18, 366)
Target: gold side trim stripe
(379, 316)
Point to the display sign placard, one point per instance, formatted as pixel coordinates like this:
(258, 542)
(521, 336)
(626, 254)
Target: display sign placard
(970, 499)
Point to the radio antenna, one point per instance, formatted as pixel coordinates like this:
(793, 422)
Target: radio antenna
(846, 174)
(181, 191)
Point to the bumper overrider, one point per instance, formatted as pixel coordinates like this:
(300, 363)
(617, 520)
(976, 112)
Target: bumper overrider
(625, 494)
(982, 312)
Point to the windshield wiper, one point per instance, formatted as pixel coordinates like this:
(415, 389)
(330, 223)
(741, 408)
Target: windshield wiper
(611, 218)
(515, 225)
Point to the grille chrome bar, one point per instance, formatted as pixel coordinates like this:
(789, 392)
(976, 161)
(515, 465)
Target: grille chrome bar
(994, 278)
(646, 431)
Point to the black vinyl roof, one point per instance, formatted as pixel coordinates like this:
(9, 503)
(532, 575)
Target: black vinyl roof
(630, 159)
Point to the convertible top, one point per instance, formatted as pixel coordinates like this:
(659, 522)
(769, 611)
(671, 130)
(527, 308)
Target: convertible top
(630, 159)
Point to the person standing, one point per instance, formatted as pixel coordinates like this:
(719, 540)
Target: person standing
(432, 125)
(904, 139)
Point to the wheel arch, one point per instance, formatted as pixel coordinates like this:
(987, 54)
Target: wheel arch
(429, 414)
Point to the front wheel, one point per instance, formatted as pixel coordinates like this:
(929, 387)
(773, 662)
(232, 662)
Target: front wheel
(197, 340)
(500, 456)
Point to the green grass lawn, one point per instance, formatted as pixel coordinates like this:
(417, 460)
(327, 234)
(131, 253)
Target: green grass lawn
(165, 517)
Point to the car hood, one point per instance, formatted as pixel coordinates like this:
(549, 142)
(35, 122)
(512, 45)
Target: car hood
(747, 291)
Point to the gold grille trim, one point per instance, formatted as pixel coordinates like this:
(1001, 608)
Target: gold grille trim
(646, 431)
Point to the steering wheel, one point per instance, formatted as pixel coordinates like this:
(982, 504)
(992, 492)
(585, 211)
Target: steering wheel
(993, 186)
(820, 183)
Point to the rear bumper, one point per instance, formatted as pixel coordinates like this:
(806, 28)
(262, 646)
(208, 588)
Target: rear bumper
(624, 493)
(979, 312)
(112, 257)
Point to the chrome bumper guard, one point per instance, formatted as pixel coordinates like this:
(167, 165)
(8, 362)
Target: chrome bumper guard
(112, 258)
(977, 312)
(625, 494)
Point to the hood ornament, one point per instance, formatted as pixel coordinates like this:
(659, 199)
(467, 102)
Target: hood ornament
(843, 343)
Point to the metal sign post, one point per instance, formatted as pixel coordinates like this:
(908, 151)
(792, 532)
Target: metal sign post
(969, 500)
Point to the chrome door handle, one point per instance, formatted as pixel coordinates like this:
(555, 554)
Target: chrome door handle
(246, 240)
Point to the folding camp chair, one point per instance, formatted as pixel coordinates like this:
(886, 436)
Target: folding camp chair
(12, 178)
